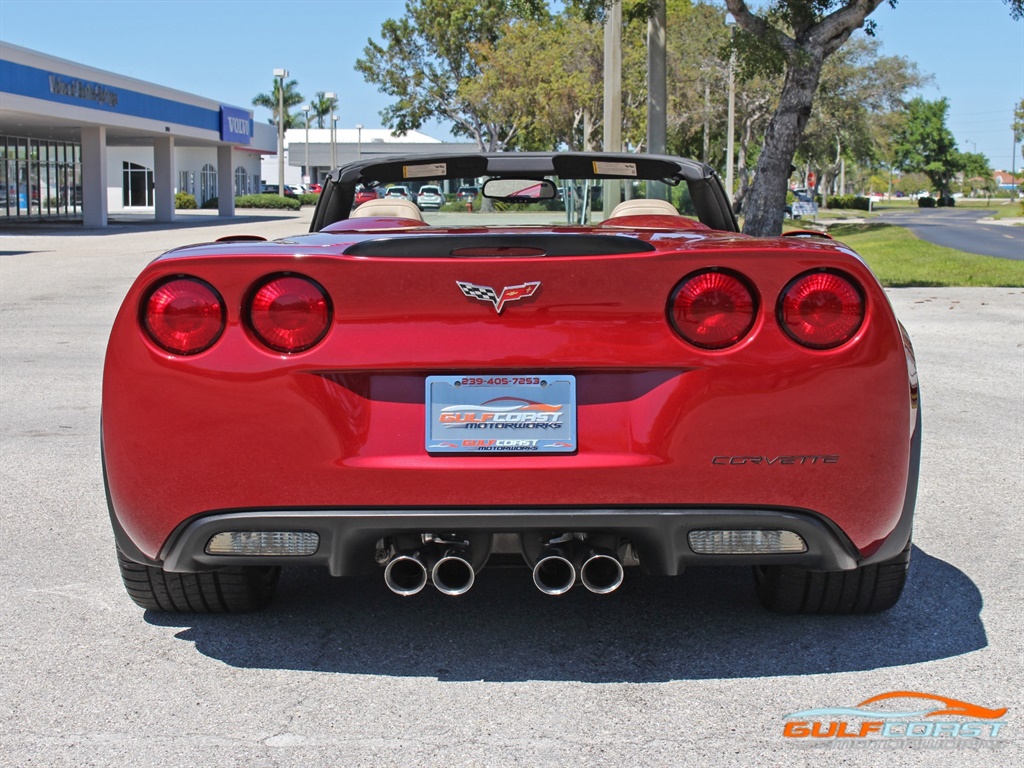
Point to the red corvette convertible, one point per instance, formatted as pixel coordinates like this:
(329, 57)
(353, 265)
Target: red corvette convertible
(649, 391)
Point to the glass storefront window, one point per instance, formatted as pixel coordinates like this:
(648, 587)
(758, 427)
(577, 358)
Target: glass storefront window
(207, 183)
(39, 178)
(241, 181)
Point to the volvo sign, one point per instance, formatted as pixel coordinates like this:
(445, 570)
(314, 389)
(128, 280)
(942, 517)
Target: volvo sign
(235, 125)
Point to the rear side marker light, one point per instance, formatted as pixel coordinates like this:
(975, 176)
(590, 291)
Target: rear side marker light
(289, 313)
(268, 543)
(713, 309)
(183, 315)
(745, 542)
(821, 310)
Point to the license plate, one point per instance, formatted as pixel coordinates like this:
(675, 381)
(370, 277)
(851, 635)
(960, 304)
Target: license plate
(524, 413)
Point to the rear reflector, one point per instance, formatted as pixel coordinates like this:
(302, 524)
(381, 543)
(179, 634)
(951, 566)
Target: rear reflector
(272, 543)
(183, 315)
(712, 309)
(290, 313)
(821, 310)
(745, 542)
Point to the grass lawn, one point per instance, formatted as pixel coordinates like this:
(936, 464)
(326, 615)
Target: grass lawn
(901, 260)
(1014, 211)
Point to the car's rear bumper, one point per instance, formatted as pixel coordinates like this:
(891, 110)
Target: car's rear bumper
(660, 537)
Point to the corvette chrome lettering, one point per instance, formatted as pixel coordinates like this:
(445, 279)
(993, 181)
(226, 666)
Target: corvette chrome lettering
(508, 293)
(772, 460)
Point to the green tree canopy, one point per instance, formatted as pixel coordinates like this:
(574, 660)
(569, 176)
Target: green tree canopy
(544, 75)
(974, 165)
(426, 58)
(858, 90)
(292, 98)
(321, 107)
(923, 143)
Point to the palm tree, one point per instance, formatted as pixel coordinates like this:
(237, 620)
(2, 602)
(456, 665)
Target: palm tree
(292, 98)
(321, 107)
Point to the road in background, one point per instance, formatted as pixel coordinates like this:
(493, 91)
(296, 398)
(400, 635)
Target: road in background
(959, 228)
(664, 672)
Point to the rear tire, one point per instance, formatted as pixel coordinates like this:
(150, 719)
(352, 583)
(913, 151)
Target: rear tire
(228, 590)
(868, 589)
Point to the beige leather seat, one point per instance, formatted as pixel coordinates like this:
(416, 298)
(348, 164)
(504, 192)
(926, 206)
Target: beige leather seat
(644, 208)
(387, 207)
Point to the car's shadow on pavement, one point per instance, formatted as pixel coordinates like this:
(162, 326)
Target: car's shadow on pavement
(703, 624)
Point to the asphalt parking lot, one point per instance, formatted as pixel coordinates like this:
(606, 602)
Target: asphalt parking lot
(664, 672)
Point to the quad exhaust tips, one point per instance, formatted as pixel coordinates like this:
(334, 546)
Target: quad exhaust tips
(556, 570)
(450, 569)
(407, 573)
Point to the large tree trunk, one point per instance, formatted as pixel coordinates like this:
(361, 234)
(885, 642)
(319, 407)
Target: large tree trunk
(765, 206)
(805, 52)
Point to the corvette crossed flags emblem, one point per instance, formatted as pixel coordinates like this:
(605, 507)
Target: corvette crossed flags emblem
(508, 293)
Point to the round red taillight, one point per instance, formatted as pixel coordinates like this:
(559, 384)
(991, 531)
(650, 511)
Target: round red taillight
(821, 310)
(289, 313)
(183, 315)
(713, 309)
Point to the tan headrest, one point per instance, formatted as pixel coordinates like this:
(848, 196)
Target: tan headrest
(644, 208)
(387, 207)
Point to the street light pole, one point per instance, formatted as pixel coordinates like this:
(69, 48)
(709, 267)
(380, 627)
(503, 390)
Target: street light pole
(280, 74)
(612, 102)
(331, 96)
(334, 140)
(306, 177)
(359, 141)
(657, 89)
(730, 145)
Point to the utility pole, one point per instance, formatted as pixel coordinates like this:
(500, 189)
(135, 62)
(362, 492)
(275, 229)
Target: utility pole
(334, 156)
(612, 98)
(280, 74)
(657, 90)
(730, 143)
(306, 176)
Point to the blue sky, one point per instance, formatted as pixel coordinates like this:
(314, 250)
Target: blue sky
(227, 50)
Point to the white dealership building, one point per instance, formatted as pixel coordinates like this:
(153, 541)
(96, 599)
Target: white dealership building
(81, 143)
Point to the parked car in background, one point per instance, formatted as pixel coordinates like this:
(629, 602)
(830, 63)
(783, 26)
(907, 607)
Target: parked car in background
(430, 197)
(399, 190)
(802, 195)
(274, 189)
(465, 194)
(646, 394)
(364, 195)
(314, 189)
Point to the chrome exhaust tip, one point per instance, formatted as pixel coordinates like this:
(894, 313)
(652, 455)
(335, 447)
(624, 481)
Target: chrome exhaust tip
(601, 573)
(554, 574)
(406, 574)
(453, 573)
